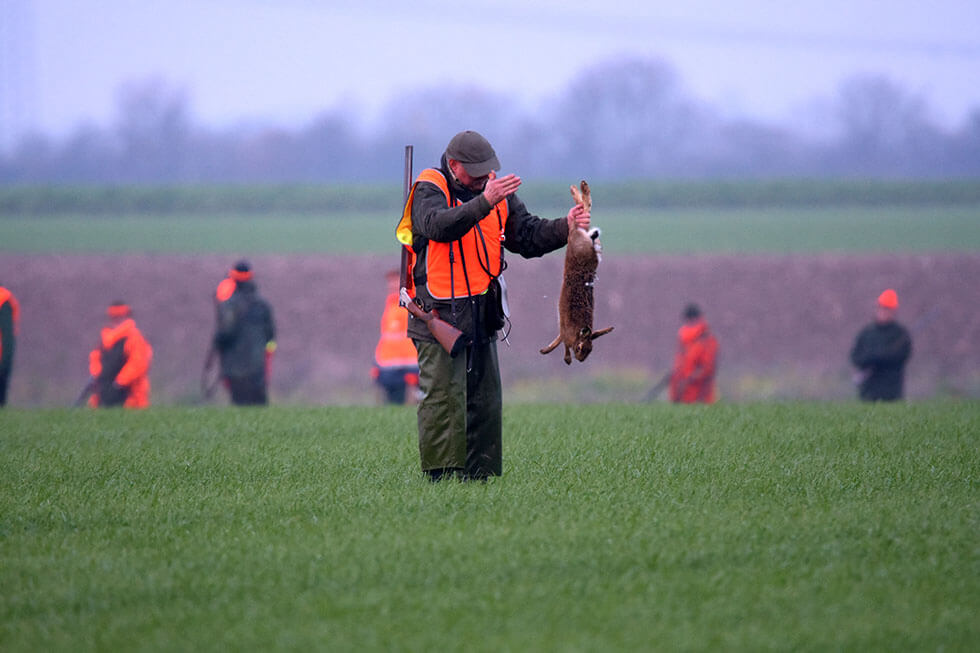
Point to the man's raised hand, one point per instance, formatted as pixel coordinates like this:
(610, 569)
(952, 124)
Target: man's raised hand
(498, 188)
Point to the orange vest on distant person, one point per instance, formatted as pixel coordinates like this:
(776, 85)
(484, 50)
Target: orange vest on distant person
(225, 290)
(466, 266)
(693, 379)
(395, 348)
(7, 296)
(134, 375)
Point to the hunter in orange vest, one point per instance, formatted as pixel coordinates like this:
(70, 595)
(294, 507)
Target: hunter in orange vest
(9, 326)
(693, 379)
(457, 222)
(396, 363)
(120, 365)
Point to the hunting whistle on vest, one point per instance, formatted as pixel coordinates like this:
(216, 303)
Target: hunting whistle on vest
(452, 339)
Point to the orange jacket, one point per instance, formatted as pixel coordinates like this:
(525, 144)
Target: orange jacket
(5, 297)
(449, 266)
(136, 358)
(395, 348)
(693, 379)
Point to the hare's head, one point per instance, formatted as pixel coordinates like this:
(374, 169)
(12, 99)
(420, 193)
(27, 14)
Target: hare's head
(596, 243)
(583, 344)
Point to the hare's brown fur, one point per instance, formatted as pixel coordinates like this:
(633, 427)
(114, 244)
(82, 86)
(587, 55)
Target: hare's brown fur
(576, 302)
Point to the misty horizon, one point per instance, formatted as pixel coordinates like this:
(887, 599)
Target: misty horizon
(807, 120)
(624, 118)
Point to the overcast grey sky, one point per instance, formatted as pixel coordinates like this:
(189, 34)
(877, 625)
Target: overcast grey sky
(286, 60)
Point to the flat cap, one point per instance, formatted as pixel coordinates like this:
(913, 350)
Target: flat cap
(474, 152)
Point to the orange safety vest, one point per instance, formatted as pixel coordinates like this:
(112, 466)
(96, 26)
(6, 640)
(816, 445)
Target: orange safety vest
(693, 379)
(135, 373)
(225, 289)
(395, 348)
(7, 296)
(464, 267)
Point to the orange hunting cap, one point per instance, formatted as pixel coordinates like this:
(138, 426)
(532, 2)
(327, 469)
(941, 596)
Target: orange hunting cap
(119, 309)
(888, 299)
(241, 271)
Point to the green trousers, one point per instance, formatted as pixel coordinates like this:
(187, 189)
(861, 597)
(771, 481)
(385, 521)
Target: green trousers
(459, 414)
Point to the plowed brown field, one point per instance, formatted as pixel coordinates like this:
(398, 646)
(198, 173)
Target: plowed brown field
(785, 324)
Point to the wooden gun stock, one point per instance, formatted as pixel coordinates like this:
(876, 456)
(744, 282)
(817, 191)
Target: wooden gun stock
(452, 339)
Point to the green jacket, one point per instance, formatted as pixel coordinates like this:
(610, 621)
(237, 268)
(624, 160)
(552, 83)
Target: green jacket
(244, 327)
(881, 352)
(8, 340)
(524, 234)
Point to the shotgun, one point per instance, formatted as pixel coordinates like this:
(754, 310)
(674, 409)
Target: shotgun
(659, 386)
(86, 391)
(452, 339)
(404, 277)
(210, 375)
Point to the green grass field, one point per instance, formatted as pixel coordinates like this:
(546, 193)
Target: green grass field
(640, 216)
(784, 526)
(633, 231)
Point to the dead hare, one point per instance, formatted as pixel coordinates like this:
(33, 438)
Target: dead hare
(576, 303)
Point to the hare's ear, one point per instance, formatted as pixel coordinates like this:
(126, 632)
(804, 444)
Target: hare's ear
(585, 332)
(586, 195)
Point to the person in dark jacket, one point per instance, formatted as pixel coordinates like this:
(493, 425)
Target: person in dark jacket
(462, 216)
(245, 337)
(9, 324)
(880, 353)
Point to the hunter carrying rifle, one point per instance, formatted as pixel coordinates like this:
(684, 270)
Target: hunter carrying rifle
(695, 364)
(458, 219)
(119, 365)
(244, 337)
(452, 339)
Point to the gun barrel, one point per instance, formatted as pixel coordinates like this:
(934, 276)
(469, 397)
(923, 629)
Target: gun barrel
(84, 394)
(659, 386)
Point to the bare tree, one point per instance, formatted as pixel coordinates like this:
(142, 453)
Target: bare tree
(623, 118)
(153, 126)
(428, 117)
(628, 117)
(330, 148)
(881, 124)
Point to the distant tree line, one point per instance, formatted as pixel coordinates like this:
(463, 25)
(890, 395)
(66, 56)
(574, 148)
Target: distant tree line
(623, 119)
